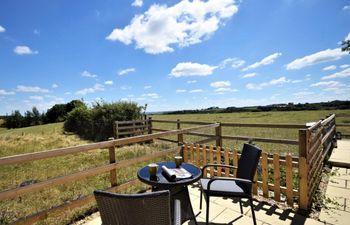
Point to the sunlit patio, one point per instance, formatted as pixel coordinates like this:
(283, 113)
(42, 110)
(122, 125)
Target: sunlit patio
(226, 211)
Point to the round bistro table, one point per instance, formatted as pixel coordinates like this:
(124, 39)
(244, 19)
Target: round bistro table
(178, 187)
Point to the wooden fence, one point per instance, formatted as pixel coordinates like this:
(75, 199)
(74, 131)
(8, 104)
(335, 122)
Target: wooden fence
(315, 145)
(109, 168)
(268, 178)
(219, 137)
(132, 128)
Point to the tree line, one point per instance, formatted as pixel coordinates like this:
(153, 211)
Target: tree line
(93, 123)
(274, 107)
(57, 113)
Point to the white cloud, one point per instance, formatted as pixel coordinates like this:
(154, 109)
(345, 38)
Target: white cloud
(24, 50)
(224, 89)
(318, 57)
(344, 66)
(248, 75)
(183, 24)
(36, 98)
(346, 7)
(126, 71)
(296, 81)
(2, 29)
(278, 81)
(281, 80)
(67, 93)
(341, 74)
(88, 74)
(185, 69)
(137, 3)
(95, 88)
(331, 67)
(191, 81)
(4, 92)
(181, 91)
(54, 86)
(147, 87)
(221, 84)
(233, 62)
(151, 95)
(196, 91)
(33, 89)
(327, 84)
(265, 61)
(109, 82)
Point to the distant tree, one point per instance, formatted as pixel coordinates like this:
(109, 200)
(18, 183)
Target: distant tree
(28, 118)
(36, 120)
(59, 112)
(56, 113)
(74, 104)
(15, 120)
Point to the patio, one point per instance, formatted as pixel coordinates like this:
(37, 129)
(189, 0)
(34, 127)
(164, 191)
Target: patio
(226, 211)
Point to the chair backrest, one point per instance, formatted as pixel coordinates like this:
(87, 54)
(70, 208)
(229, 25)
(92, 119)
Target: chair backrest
(248, 162)
(134, 209)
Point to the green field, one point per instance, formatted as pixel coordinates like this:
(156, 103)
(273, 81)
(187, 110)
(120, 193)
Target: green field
(295, 117)
(46, 137)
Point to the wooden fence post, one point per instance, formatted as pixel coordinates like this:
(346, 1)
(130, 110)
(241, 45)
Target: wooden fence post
(116, 130)
(218, 133)
(303, 171)
(180, 137)
(113, 172)
(150, 128)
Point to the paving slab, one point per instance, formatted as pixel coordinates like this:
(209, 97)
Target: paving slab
(338, 189)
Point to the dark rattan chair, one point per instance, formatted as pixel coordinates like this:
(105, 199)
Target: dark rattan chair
(239, 187)
(137, 209)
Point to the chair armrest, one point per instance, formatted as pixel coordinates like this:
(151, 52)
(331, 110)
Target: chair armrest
(228, 179)
(177, 212)
(219, 165)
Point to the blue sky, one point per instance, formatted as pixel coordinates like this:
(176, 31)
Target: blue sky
(173, 54)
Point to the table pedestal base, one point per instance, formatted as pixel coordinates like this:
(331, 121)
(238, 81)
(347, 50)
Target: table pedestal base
(181, 193)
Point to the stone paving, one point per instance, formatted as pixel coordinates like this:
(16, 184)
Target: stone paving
(338, 188)
(226, 211)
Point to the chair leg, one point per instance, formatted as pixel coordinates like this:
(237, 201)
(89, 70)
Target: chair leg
(207, 216)
(200, 200)
(252, 209)
(240, 206)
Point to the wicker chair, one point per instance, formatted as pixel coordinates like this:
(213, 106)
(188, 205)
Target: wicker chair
(239, 187)
(137, 209)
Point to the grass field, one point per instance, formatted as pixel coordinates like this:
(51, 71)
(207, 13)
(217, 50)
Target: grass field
(46, 137)
(296, 117)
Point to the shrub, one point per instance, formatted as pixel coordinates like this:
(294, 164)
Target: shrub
(97, 123)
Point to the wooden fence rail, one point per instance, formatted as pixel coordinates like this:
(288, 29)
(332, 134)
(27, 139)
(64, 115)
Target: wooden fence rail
(220, 136)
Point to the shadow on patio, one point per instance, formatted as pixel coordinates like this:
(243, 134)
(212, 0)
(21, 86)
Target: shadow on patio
(226, 211)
